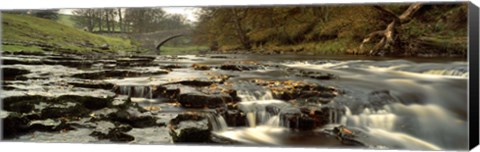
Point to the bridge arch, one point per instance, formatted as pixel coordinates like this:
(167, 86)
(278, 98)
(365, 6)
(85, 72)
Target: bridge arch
(162, 42)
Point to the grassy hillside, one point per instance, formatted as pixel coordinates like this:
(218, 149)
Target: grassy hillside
(28, 33)
(66, 20)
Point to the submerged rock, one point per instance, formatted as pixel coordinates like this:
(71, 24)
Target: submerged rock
(378, 99)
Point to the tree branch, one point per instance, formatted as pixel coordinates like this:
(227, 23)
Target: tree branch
(408, 14)
(386, 11)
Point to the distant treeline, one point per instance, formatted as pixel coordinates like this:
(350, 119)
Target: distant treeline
(331, 28)
(137, 20)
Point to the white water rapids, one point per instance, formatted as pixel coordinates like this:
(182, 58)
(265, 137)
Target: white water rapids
(430, 112)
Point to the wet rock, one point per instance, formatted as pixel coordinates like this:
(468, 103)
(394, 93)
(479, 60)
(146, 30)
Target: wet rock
(312, 74)
(135, 61)
(135, 119)
(218, 57)
(93, 85)
(290, 90)
(202, 100)
(69, 63)
(216, 139)
(92, 103)
(190, 128)
(380, 98)
(13, 125)
(115, 74)
(171, 66)
(346, 136)
(8, 61)
(64, 57)
(114, 135)
(233, 67)
(49, 125)
(235, 118)
(13, 73)
(273, 109)
(200, 67)
(28, 53)
(167, 91)
(132, 114)
(196, 83)
(63, 106)
(306, 118)
(293, 118)
(65, 111)
(22, 104)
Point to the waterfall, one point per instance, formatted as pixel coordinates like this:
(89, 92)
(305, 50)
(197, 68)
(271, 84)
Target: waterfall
(430, 123)
(274, 121)
(374, 119)
(459, 73)
(217, 122)
(250, 95)
(256, 112)
(136, 91)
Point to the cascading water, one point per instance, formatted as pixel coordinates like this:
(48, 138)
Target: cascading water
(136, 91)
(428, 110)
(217, 121)
(254, 100)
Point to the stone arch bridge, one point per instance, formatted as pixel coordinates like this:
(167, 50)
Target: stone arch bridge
(153, 40)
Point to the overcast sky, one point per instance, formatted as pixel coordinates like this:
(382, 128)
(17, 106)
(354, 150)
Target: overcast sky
(188, 12)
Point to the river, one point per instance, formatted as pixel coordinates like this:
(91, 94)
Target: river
(388, 103)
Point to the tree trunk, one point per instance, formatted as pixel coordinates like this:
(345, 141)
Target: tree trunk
(107, 20)
(113, 19)
(120, 20)
(389, 42)
(240, 30)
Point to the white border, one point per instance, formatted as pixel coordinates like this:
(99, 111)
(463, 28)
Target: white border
(35, 4)
(45, 4)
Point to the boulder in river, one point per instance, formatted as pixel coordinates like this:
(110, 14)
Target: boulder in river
(202, 100)
(305, 118)
(13, 73)
(235, 118)
(190, 128)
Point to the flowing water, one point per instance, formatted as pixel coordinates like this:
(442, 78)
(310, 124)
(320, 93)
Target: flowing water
(424, 101)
